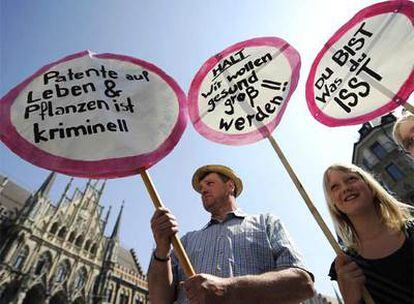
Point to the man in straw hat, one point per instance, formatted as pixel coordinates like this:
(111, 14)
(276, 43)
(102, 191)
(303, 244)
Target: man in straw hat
(238, 258)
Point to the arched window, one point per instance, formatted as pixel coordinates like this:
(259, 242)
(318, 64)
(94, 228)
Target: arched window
(79, 241)
(109, 291)
(62, 271)
(72, 236)
(43, 264)
(124, 298)
(21, 258)
(95, 287)
(139, 301)
(93, 249)
(87, 244)
(54, 228)
(62, 232)
(80, 279)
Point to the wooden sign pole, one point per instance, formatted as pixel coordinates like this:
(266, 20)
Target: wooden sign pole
(366, 296)
(178, 246)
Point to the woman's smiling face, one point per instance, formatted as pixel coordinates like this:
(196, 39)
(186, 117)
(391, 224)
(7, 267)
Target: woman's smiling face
(349, 192)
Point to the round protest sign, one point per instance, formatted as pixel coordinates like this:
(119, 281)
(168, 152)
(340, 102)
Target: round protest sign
(94, 115)
(239, 95)
(366, 68)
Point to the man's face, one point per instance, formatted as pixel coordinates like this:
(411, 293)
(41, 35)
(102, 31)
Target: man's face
(214, 192)
(407, 136)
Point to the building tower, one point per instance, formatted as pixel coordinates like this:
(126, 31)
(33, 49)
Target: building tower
(377, 153)
(57, 253)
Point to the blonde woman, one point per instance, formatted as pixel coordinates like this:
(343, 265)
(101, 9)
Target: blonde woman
(403, 133)
(377, 232)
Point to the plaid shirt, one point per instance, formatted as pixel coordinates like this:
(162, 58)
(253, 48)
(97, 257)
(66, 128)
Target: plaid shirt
(241, 245)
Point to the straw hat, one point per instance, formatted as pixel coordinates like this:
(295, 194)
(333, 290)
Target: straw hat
(204, 170)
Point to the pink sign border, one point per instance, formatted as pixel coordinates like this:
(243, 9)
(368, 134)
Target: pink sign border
(404, 7)
(108, 168)
(239, 139)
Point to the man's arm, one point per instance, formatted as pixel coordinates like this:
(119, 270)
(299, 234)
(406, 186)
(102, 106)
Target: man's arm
(160, 282)
(160, 276)
(290, 285)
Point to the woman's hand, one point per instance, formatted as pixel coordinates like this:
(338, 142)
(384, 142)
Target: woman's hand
(351, 279)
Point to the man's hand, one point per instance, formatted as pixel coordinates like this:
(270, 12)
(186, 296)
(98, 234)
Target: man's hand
(164, 226)
(207, 289)
(351, 279)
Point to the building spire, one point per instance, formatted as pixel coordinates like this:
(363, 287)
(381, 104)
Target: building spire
(65, 192)
(43, 191)
(101, 191)
(88, 184)
(103, 186)
(3, 183)
(84, 201)
(47, 185)
(115, 232)
(106, 219)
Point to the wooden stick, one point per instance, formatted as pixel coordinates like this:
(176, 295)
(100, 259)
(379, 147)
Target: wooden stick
(178, 246)
(331, 239)
(409, 107)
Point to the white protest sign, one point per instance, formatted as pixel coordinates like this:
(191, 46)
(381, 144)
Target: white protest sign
(239, 95)
(366, 69)
(94, 115)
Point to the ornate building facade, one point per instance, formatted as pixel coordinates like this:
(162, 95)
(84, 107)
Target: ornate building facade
(58, 253)
(377, 153)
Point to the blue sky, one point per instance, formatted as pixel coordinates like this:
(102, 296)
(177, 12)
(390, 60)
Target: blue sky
(178, 36)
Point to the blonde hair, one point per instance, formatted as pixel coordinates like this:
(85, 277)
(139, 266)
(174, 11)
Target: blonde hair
(396, 130)
(391, 212)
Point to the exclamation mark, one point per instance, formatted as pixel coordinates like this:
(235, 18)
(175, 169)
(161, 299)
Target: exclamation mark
(284, 86)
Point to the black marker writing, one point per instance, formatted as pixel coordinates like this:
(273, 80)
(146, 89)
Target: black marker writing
(44, 135)
(57, 76)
